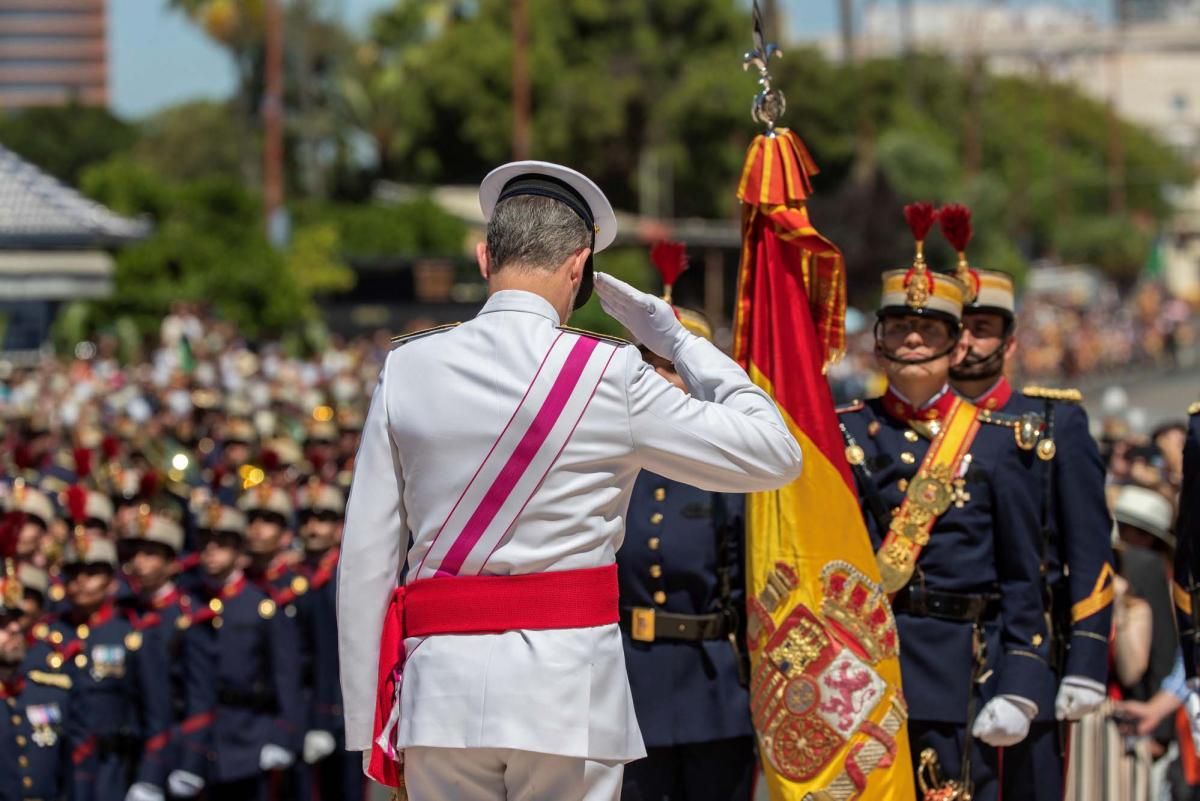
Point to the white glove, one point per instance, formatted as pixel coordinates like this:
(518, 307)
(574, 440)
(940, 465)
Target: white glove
(318, 745)
(272, 757)
(1003, 721)
(184, 784)
(1192, 705)
(1077, 695)
(651, 320)
(144, 791)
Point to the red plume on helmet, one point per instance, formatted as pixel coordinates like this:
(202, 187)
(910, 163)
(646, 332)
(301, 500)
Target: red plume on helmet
(955, 220)
(110, 447)
(10, 533)
(670, 259)
(918, 283)
(920, 218)
(148, 485)
(75, 499)
(270, 459)
(83, 461)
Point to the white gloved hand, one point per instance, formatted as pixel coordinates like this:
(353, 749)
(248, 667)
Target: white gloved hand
(184, 784)
(1077, 696)
(318, 745)
(650, 320)
(1003, 722)
(272, 757)
(144, 791)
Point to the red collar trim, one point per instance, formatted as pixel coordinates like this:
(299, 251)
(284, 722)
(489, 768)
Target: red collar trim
(995, 398)
(234, 588)
(902, 410)
(166, 600)
(13, 688)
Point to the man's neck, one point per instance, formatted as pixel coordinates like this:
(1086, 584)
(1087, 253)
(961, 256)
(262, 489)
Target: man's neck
(261, 562)
(532, 281)
(919, 392)
(219, 581)
(162, 591)
(8, 673)
(973, 388)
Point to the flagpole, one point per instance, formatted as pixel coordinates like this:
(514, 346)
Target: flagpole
(769, 104)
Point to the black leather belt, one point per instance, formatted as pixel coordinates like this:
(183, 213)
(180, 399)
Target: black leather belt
(646, 624)
(960, 607)
(118, 744)
(247, 699)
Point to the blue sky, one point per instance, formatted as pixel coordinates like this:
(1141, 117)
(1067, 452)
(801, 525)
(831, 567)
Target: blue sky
(159, 58)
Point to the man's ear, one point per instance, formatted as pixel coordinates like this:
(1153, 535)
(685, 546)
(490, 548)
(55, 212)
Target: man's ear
(577, 264)
(1010, 347)
(484, 260)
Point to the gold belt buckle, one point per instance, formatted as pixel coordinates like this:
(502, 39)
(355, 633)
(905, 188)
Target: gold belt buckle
(642, 628)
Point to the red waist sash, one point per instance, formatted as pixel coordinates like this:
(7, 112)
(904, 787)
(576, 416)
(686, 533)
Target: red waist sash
(565, 599)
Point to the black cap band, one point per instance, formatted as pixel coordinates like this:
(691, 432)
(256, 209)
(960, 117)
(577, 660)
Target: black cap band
(548, 186)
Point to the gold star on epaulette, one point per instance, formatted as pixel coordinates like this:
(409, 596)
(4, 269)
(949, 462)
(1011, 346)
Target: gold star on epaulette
(592, 334)
(404, 339)
(1046, 393)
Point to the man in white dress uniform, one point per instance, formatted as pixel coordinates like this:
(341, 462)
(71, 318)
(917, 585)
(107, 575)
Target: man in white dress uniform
(491, 487)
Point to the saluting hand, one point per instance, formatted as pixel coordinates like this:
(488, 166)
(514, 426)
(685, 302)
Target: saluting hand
(650, 319)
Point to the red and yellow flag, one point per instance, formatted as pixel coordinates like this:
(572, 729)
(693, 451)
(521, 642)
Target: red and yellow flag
(825, 687)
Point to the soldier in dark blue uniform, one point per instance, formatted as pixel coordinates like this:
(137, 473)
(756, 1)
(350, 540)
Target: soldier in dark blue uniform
(1187, 558)
(951, 512)
(99, 646)
(271, 568)
(682, 600)
(37, 512)
(336, 773)
(148, 546)
(243, 713)
(1076, 528)
(38, 721)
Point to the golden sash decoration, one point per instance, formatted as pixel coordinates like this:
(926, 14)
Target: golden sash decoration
(930, 493)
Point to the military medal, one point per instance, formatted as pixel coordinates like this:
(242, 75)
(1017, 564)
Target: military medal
(43, 718)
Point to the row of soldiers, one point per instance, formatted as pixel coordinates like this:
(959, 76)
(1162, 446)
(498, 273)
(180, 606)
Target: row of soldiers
(174, 634)
(987, 512)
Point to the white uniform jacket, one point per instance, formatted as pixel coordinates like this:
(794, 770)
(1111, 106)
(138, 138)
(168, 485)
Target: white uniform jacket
(442, 403)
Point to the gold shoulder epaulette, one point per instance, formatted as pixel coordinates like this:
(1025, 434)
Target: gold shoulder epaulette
(1046, 393)
(602, 337)
(852, 406)
(1194, 408)
(59, 680)
(404, 339)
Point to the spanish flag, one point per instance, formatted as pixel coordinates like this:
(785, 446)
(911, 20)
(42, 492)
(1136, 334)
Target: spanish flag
(825, 686)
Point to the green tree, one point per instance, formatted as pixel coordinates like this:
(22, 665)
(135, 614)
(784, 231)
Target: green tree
(611, 94)
(66, 140)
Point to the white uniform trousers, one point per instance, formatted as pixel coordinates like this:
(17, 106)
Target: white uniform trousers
(506, 774)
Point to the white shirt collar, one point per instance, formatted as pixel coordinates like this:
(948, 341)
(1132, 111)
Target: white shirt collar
(518, 300)
(936, 397)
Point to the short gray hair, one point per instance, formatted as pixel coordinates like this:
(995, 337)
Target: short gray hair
(534, 232)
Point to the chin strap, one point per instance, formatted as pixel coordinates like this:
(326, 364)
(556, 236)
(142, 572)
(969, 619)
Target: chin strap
(891, 357)
(974, 366)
